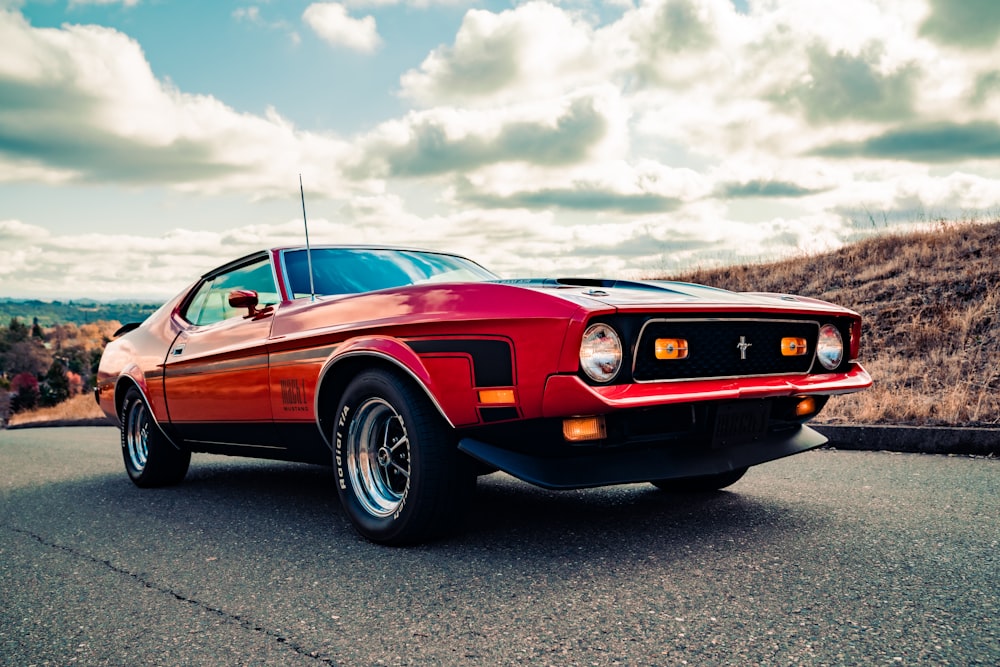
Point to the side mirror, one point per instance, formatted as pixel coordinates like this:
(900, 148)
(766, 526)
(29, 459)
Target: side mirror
(244, 298)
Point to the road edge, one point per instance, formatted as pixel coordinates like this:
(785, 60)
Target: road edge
(90, 421)
(969, 441)
(965, 441)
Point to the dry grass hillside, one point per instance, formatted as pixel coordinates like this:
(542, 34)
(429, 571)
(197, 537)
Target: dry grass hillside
(78, 411)
(931, 307)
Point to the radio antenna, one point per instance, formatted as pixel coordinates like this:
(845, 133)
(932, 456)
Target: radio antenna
(309, 256)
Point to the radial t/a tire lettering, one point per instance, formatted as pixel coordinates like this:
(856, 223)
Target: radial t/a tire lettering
(700, 484)
(150, 458)
(400, 476)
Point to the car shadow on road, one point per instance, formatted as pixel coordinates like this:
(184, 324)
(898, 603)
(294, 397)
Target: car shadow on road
(507, 513)
(244, 500)
(635, 519)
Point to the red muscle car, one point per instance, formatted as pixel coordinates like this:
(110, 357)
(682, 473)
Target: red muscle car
(410, 372)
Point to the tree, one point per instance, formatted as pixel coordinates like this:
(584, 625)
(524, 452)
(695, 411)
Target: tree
(55, 388)
(31, 348)
(17, 332)
(95, 363)
(4, 407)
(24, 387)
(78, 360)
(28, 355)
(75, 383)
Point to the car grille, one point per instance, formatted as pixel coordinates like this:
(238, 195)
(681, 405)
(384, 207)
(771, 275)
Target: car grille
(723, 348)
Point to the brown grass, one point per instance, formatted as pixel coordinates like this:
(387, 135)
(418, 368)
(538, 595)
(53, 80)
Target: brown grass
(80, 409)
(931, 307)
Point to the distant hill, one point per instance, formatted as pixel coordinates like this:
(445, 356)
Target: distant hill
(78, 312)
(931, 307)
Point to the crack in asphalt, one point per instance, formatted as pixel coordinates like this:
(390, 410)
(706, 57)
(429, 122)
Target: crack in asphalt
(232, 618)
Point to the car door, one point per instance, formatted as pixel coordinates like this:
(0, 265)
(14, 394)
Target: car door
(216, 372)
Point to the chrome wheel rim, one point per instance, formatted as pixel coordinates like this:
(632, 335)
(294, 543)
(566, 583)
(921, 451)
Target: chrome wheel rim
(137, 436)
(378, 457)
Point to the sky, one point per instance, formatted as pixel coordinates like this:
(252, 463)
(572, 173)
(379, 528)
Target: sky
(145, 142)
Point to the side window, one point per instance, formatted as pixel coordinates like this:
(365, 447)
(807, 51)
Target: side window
(215, 309)
(210, 303)
(192, 313)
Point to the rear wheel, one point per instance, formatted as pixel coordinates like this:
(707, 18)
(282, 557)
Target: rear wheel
(700, 484)
(150, 459)
(400, 476)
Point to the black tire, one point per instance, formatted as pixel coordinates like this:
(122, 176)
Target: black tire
(150, 459)
(700, 484)
(400, 476)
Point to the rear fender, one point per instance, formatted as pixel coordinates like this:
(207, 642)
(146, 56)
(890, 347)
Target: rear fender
(359, 354)
(132, 376)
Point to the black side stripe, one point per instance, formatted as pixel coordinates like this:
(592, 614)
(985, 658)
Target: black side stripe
(492, 360)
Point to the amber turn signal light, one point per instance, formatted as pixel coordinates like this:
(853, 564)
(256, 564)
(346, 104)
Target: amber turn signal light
(671, 348)
(496, 396)
(806, 406)
(793, 347)
(580, 429)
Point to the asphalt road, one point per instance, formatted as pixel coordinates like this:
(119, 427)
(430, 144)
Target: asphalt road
(827, 558)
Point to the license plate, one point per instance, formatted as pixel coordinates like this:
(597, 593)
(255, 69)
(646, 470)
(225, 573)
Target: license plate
(738, 423)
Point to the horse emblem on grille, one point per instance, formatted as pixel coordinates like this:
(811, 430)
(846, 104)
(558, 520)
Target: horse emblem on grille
(743, 346)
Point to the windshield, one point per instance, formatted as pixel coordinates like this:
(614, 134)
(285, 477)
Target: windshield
(356, 270)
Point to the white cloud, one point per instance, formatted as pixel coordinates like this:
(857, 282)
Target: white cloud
(531, 52)
(157, 267)
(84, 105)
(17, 231)
(252, 15)
(559, 132)
(332, 23)
(615, 188)
(908, 194)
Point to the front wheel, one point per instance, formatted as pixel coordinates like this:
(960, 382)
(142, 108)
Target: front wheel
(400, 476)
(700, 484)
(150, 459)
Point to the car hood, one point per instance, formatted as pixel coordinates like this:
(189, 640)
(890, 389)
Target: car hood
(635, 293)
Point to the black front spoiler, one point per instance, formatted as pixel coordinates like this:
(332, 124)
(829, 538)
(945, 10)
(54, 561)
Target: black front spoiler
(597, 467)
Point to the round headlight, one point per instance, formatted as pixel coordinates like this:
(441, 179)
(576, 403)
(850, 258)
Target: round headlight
(600, 352)
(829, 347)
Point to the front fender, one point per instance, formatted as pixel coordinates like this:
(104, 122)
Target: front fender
(358, 354)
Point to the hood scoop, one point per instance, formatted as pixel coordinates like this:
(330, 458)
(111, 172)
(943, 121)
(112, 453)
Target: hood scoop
(629, 292)
(597, 287)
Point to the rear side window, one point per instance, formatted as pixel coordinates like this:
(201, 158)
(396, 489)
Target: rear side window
(210, 303)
